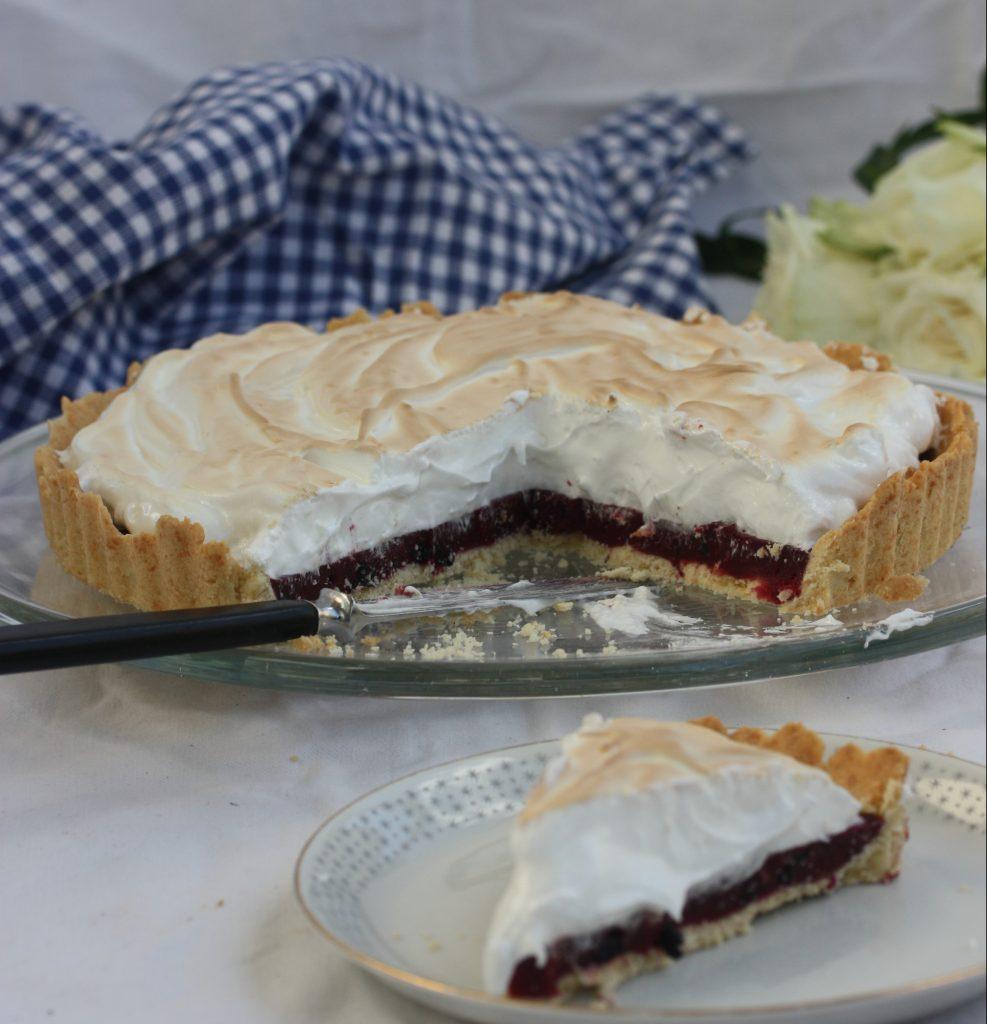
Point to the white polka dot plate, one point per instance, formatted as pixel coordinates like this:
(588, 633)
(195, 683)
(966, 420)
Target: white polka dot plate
(404, 880)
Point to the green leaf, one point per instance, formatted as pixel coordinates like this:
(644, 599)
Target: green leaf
(882, 159)
(837, 239)
(963, 133)
(733, 252)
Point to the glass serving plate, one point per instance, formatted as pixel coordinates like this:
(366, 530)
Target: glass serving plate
(689, 639)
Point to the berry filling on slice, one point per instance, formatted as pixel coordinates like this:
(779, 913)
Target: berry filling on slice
(647, 932)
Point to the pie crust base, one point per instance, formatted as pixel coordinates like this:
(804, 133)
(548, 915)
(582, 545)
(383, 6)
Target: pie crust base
(912, 519)
(173, 567)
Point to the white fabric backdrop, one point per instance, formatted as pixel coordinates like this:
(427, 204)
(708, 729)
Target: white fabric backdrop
(815, 84)
(131, 804)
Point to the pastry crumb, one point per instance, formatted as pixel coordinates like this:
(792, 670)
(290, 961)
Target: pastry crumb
(458, 646)
(562, 606)
(536, 633)
(317, 645)
(633, 575)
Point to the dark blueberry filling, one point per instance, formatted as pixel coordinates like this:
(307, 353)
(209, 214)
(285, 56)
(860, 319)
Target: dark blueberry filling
(777, 570)
(647, 931)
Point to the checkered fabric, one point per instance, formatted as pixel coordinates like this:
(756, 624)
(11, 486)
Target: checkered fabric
(301, 191)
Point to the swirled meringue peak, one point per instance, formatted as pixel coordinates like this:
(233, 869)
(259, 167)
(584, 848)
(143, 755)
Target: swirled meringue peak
(297, 447)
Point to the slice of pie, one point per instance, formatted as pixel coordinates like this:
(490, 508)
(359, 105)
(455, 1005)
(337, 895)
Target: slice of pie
(383, 452)
(646, 840)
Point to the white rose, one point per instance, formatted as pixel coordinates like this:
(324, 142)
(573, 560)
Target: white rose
(903, 271)
(934, 204)
(812, 290)
(935, 321)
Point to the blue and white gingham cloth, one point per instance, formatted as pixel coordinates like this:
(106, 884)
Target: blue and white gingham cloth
(301, 191)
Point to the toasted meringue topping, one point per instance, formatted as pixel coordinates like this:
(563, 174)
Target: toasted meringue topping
(621, 756)
(296, 447)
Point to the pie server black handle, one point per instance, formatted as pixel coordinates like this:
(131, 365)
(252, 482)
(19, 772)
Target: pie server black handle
(67, 642)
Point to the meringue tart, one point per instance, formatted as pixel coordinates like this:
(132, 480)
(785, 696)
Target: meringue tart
(385, 452)
(647, 840)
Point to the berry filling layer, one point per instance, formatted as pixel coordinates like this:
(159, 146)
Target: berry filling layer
(776, 570)
(648, 932)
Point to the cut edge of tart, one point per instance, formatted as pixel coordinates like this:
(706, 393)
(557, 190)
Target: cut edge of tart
(912, 518)
(868, 851)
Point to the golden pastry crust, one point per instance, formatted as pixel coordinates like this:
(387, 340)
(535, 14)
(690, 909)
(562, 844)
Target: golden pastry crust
(875, 778)
(910, 521)
(173, 567)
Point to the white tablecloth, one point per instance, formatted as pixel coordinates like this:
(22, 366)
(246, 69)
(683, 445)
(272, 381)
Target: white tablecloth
(150, 824)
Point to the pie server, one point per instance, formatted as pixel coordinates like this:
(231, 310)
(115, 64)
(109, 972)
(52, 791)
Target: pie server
(137, 635)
